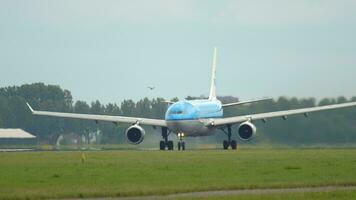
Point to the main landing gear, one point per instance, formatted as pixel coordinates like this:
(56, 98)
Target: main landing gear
(229, 142)
(181, 143)
(165, 143)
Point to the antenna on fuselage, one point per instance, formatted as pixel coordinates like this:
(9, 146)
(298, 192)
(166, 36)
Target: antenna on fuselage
(212, 95)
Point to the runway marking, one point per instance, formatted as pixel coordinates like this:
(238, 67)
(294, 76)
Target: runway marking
(233, 193)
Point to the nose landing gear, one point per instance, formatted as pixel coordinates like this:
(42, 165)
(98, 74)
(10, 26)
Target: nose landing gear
(229, 142)
(181, 143)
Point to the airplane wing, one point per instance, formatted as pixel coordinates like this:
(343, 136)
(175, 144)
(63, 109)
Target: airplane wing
(107, 118)
(284, 114)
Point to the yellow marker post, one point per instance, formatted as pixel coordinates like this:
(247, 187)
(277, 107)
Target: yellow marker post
(83, 157)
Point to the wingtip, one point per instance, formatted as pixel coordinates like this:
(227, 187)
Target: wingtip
(28, 105)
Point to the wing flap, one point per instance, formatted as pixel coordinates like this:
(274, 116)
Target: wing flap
(264, 116)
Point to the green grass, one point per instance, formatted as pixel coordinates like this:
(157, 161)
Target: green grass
(33, 175)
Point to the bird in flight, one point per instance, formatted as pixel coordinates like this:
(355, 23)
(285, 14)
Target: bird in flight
(151, 87)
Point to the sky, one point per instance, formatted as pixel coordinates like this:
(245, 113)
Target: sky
(111, 50)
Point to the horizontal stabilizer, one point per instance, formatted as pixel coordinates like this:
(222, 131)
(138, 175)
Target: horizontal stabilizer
(245, 102)
(169, 102)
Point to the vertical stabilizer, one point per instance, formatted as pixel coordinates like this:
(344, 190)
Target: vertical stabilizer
(212, 95)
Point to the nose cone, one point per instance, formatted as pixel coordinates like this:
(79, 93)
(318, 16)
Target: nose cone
(181, 111)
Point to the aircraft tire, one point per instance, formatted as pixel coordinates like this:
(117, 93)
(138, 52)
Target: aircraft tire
(162, 145)
(225, 144)
(170, 145)
(233, 144)
(183, 146)
(179, 145)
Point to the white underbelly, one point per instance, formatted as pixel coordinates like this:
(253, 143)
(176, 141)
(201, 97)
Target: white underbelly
(190, 128)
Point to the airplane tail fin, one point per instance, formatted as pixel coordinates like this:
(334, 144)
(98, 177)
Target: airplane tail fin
(212, 94)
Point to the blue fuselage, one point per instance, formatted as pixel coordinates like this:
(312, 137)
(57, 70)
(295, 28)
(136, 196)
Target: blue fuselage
(188, 116)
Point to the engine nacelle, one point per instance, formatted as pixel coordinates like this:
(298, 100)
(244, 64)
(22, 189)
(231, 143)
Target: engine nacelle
(246, 131)
(135, 134)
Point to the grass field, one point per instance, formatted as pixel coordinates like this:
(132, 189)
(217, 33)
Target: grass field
(33, 175)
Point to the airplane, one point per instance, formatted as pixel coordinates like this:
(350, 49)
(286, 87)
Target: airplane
(195, 118)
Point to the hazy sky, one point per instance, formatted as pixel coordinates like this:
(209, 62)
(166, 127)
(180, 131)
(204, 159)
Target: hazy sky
(113, 50)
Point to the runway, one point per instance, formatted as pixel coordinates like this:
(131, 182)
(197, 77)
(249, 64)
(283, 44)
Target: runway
(234, 193)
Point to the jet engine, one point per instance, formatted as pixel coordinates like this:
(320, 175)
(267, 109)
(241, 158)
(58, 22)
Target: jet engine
(246, 131)
(135, 134)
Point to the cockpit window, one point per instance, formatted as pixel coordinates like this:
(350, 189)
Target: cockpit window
(176, 112)
(182, 108)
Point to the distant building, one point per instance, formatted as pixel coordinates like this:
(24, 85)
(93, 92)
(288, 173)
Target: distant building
(16, 137)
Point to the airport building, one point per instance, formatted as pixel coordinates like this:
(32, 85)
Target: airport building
(16, 137)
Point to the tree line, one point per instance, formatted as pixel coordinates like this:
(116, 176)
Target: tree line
(328, 127)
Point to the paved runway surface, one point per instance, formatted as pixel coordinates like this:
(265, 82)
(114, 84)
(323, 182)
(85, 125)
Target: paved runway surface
(235, 192)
